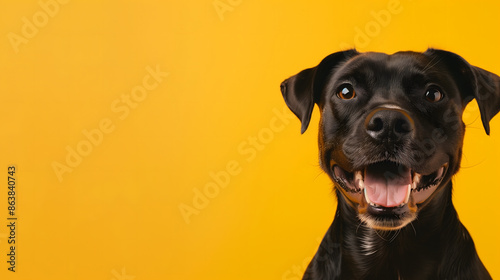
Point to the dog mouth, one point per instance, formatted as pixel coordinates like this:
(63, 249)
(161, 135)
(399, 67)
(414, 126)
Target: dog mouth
(387, 188)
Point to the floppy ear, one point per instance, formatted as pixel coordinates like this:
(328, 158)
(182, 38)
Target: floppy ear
(487, 95)
(477, 83)
(303, 90)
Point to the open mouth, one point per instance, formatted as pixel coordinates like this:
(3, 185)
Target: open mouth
(386, 186)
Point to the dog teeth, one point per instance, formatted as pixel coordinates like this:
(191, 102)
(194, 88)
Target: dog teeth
(367, 199)
(440, 173)
(410, 187)
(358, 178)
(416, 180)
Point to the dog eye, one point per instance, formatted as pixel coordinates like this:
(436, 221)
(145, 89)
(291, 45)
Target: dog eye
(433, 95)
(346, 92)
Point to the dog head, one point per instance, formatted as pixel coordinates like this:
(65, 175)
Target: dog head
(391, 130)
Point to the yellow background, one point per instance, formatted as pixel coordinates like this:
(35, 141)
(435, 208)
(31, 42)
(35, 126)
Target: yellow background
(116, 214)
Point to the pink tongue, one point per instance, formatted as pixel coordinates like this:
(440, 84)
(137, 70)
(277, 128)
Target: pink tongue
(387, 187)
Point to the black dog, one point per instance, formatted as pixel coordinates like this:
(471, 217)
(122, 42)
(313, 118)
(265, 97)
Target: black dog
(390, 138)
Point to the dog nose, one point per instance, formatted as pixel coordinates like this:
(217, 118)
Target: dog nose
(389, 124)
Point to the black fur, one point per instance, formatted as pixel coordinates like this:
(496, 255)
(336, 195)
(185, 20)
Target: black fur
(422, 239)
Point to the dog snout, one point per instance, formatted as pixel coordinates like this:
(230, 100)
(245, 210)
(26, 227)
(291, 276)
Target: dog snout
(389, 124)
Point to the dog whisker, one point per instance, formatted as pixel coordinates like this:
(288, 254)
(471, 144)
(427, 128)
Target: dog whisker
(431, 64)
(359, 225)
(396, 233)
(317, 176)
(414, 230)
(376, 231)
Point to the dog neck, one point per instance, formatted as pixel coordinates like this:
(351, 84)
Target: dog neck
(358, 252)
